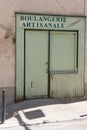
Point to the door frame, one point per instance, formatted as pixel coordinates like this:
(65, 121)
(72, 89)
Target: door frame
(48, 71)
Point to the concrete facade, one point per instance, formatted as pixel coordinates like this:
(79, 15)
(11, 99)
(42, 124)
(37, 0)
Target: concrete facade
(8, 9)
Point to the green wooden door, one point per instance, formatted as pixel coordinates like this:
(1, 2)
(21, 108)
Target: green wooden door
(36, 59)
(63, 64)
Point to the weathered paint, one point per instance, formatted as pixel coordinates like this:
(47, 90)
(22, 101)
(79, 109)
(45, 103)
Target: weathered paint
(19, 64)
(36, 58)
(71, 84)
(7, 20)
(61, 84)
(64, 64)
(63, 52)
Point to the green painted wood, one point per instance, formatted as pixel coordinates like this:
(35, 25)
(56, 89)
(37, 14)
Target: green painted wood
(63, 51)
(19, 62)
(66, 85)
(61, 85)
(36, 58)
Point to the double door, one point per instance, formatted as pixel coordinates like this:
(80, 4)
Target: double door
(47, 53)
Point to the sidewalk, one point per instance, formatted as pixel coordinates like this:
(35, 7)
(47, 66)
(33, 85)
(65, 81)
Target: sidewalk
(40, 111)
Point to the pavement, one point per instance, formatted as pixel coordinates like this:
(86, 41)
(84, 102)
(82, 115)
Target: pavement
(41, 111)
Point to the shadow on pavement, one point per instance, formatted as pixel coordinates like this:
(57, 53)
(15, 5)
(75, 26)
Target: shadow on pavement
(21, 122)
(13, 109)
(83, 115)
(38, 102)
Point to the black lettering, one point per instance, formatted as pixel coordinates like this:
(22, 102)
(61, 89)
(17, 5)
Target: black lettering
(29, 18)
(61, 19)
(57, 25)
(58, 19)
(37, 24)
(26, 17)
(44, 18)
(50, 24)
(45, 25)
(64, 19)
(62, 25)
(28, 24)
(33, 24)
(40, 19)
(24, 25)
(49, 19)
(41, 24)
(35, 18)
(21, 17)
(53, 19)
(54, 25)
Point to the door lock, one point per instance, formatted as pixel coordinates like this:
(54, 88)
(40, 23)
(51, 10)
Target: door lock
(31, 84)
(51, 76)
(47, 71)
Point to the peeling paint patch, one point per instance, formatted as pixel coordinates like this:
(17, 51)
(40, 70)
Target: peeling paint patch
(7, 32)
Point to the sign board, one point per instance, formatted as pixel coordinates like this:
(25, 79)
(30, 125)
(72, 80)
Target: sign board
(48, 22)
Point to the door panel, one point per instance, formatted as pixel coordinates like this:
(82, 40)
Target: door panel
(36, 58)
(63, 51)
(63, 64)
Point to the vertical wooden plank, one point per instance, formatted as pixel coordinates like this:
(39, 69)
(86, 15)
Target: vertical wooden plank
(19, 61)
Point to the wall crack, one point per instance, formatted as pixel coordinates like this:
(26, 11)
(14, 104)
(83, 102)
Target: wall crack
(59, 3)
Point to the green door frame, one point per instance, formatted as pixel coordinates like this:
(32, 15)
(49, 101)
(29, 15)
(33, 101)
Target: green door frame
(48, 64)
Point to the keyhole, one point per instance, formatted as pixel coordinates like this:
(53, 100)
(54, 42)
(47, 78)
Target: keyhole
(31, 84)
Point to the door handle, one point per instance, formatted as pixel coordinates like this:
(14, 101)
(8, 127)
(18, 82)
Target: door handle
(46, 67)
(51, 76)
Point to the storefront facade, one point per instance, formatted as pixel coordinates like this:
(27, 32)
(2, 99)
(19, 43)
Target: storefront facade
(43, 53)
(51, 51)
